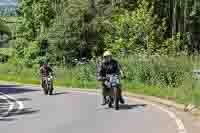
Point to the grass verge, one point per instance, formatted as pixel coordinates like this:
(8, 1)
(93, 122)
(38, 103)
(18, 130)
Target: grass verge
(160, 77)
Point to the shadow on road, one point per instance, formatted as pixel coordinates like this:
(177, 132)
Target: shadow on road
(26, 111)
(15, 89)
(5, 119)
(23, 99)
(126, 106)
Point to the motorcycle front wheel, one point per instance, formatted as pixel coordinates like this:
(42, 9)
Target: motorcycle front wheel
(110, 102)
(116, 98)
(45, 90)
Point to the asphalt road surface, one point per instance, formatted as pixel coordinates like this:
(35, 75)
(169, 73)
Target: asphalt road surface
(77, 112)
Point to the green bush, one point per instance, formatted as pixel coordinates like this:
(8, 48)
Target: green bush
(136, 30)
(175, 45)
(156, 70)
(20, 46)
(151, 70)
(32, 54)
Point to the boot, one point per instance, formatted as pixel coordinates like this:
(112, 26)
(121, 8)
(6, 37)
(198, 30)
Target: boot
(121, 99)
(104, 101)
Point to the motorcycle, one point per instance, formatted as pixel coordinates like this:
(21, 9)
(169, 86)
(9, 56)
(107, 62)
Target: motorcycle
(113, 83)
(48, 89)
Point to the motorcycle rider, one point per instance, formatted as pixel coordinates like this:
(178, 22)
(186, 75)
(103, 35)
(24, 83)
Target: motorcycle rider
(108, 66)
(45, 72)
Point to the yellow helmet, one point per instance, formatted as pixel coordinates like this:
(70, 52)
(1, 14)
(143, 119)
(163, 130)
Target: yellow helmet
(107, 53)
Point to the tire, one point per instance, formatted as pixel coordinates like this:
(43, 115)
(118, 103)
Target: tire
(110, 102)
(116, 98)
(45, 91)
(50, 89)
(110, 105)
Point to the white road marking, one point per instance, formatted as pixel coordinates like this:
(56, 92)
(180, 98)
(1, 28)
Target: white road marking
(179, 123)
(11, 106)
(20, 104)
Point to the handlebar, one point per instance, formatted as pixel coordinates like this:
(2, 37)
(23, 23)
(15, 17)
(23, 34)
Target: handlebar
(108, 77)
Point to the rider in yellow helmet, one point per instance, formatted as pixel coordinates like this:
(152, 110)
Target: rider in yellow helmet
(108, 66)
(107, 54)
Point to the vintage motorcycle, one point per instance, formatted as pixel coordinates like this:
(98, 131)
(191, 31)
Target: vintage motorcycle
(113, 84)
(48, 89)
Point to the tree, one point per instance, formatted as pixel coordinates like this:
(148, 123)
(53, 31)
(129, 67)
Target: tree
(137, 30)
(43, 13)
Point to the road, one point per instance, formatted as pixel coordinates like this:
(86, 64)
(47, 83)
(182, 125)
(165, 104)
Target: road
(78, 112)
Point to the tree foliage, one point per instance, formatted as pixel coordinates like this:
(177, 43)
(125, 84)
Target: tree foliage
(85, 28)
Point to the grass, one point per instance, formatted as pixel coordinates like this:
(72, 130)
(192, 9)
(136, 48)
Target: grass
(169, 78)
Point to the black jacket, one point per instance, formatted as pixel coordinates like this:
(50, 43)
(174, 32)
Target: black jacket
(107, 67)
(45, 71)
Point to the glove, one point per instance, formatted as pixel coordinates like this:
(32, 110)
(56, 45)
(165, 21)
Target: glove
(99, 78)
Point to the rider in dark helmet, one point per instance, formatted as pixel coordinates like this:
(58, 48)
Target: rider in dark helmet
(108, 66)
(45, 71)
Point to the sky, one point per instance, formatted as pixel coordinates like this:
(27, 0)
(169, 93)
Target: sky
(7, 2)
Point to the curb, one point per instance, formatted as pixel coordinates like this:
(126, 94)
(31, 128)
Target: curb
(181, 107)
